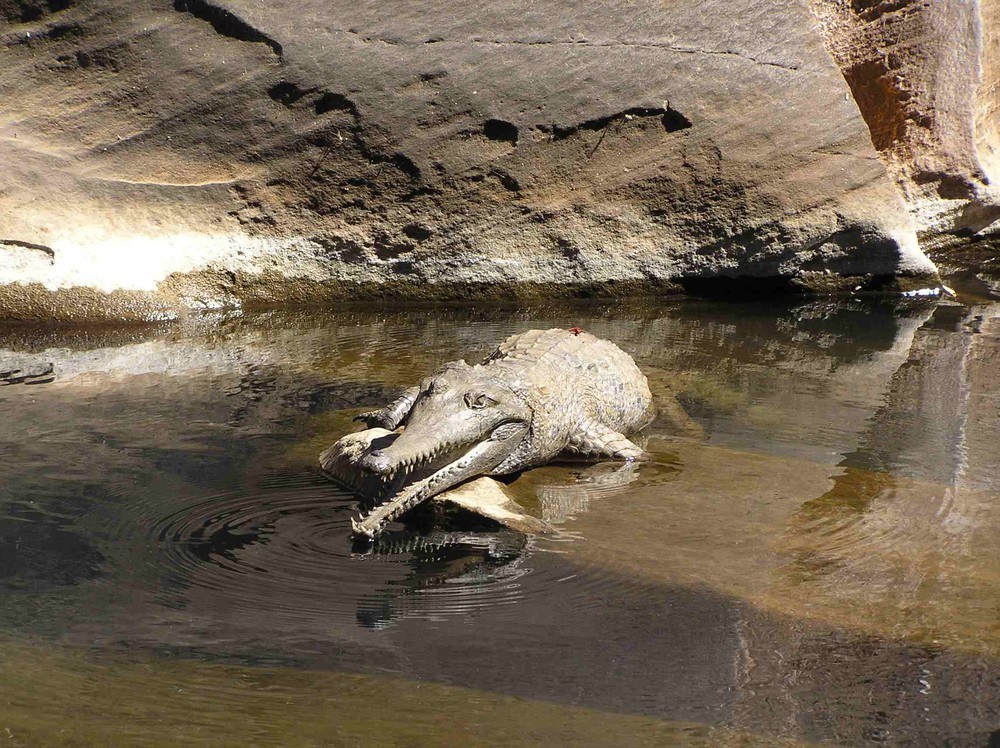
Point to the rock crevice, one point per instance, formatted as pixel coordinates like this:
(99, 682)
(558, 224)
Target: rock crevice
(226, 22)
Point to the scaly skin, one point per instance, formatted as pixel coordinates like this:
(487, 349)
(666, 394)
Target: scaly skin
(540, 394)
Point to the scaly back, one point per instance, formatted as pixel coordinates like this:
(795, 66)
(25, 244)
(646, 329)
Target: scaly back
(599, 372)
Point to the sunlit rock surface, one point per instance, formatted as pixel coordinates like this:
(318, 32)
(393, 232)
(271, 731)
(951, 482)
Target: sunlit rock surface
(925, 76)
(157, 156)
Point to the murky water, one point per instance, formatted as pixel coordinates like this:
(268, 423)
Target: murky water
(815, 557)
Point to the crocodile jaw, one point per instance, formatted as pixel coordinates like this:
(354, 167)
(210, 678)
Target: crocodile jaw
(478, 460)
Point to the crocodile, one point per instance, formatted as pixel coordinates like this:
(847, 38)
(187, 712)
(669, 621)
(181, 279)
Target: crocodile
(541, 394)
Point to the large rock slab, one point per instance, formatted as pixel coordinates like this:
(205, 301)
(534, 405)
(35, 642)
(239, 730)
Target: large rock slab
(157, 156)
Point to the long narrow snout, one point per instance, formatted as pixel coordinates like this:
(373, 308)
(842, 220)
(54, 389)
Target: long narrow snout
(478, 460)
(420, 449)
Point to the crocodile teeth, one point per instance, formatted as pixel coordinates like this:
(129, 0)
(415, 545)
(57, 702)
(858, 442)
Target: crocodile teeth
(359, 529)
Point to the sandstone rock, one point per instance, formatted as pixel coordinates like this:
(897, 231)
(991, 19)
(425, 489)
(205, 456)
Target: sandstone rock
(156, 156)
(925, 75)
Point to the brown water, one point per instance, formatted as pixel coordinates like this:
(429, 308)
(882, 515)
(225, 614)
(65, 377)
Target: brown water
(816, 559)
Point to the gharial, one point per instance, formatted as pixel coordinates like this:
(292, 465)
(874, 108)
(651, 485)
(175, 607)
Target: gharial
(539, 395)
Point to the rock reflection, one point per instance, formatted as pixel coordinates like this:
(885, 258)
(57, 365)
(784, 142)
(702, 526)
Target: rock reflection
(906, 535)
(856, 690)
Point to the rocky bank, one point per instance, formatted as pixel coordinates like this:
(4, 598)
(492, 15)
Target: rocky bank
(163, 155)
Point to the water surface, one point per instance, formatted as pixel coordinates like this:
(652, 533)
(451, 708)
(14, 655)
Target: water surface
(814, 558)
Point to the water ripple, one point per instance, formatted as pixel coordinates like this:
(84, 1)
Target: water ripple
(287, 549)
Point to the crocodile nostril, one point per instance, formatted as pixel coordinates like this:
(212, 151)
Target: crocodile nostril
(376, 462)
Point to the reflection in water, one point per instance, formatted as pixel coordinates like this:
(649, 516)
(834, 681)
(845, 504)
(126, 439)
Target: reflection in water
(286, 551)
(812, 557)
(450, 573)
(560, 492)
(909, 523)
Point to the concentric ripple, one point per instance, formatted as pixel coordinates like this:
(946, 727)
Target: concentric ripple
(282, 555)
(286, 550)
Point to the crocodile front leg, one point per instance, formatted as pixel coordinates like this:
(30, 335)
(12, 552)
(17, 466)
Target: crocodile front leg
(391, 416)
(597, 440)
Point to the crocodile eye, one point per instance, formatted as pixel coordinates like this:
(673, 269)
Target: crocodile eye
(478, 400)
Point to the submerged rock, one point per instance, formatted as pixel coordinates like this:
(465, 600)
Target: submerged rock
(158, 157)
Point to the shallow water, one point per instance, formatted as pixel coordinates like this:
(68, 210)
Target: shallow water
(814, 558)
